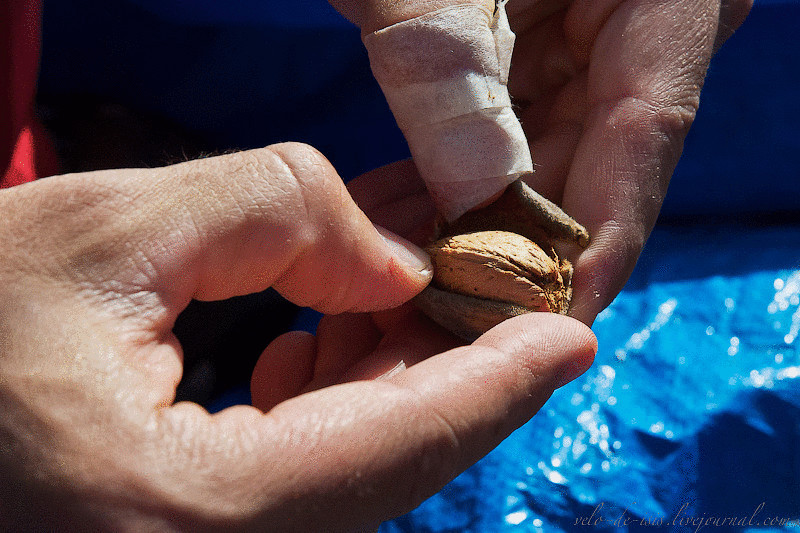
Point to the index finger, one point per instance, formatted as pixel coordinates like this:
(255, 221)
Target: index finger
(645, 72)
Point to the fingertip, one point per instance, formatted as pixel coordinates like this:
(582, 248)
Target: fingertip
(602, 270)
(375, 271)
(283, 370)
(550, 328)
(563, 348)
(413, 259)
(585, 346)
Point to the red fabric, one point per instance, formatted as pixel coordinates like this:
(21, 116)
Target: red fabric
(25, 153)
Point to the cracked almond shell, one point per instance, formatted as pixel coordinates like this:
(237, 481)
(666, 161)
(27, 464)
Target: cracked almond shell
(484, 277)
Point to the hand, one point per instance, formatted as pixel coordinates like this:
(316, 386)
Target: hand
(97, 266)
(607, 93)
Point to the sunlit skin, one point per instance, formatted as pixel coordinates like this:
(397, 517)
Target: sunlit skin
(381, 408)
(606, 91)
(97, 266)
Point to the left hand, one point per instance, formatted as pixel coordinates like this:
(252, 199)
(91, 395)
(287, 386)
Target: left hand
(96, 267)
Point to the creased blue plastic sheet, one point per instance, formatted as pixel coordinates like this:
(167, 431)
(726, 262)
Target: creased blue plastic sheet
(689, 419)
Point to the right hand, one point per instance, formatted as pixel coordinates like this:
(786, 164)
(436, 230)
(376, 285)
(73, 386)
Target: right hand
(606, 92)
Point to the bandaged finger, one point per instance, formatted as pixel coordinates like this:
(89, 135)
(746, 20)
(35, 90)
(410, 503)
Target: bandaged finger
(444, 75)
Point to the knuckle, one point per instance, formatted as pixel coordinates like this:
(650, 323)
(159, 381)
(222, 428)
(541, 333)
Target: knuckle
(677, 118)
(656, 116)
(310, 176)
(305, 162)
(314, 201)
(285, 170)
(675, 115)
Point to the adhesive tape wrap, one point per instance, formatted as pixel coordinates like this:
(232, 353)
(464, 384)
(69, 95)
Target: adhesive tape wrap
(445, 75)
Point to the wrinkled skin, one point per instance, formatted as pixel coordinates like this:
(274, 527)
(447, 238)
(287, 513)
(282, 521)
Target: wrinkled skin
(96, 267)
(606, 91)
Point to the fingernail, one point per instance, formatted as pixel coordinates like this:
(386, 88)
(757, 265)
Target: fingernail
(410, 254)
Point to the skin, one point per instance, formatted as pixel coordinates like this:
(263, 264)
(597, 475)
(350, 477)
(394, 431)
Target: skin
(97, 266)
(378, 411)
(606, 91)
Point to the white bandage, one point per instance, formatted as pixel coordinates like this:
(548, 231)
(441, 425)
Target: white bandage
(445, 77)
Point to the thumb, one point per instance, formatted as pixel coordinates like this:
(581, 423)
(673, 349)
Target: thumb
(282, 217)
(365, 451)
(230, 225)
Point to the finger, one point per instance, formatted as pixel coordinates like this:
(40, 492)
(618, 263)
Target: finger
(526, 14)
(386, 185)
(285, 367)
(329, 255)
(617, 185)
(363, 452)
(553, 152)
(342, 341)
(542, 62)
(394, 197)
(408, 341)
(643, 98)
(351, 347)
(732, 14)
(554, 126)
(231, 225)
